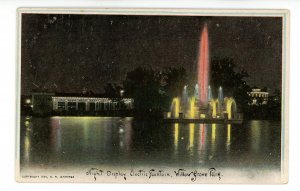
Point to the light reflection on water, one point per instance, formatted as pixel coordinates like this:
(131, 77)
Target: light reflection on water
(59, 141)
(228, 140)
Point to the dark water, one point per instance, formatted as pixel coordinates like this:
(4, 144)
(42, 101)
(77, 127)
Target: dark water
(85, 141)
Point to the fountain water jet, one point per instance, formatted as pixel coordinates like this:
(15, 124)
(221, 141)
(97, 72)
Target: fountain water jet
(220, 95)
(196, 93)
(230, 107)
(214, 104)
(203, 67)
(184, 99)
(202, 107)
(192, 107)
(175, 107)
(209, 97)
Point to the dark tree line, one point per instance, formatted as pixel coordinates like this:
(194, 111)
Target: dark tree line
(153, 90)
(233, 83)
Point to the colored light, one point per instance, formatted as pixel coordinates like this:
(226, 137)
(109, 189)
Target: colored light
(176, 134)
(176, 104)
(213, 133)
(192, 107)
(192, 134)
(27, 146)
(169, 115)
(28, 101)
(228, 133)
(203, 67)
(214, 106)
(229, 105)
(202, 132)
(27, 123)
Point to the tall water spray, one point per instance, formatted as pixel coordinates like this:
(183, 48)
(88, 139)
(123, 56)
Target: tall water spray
(201, 103)
(196, 92)
(184, 99)
(203, 68)
(185, 96)
(209, 96)
(220, 95)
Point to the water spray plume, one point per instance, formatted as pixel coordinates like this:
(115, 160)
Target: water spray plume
(203, 67)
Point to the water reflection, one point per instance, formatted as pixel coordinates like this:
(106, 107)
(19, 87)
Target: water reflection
(27, 145)
(125, 133)
(191, 136)
(213, 141)
(89, 141)
(228, 137)
(256, 135)
(201, 143)
(176, 134)
(27, 140)
(55, 134)
(202, 137)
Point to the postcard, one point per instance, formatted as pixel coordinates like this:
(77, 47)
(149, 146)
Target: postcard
(152, 96)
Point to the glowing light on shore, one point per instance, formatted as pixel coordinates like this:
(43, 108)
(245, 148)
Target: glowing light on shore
(27, 123)
(203, 67)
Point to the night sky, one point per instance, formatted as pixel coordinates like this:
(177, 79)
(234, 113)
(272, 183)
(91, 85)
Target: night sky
(66, 53)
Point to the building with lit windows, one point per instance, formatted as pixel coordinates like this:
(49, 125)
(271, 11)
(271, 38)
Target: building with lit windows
(47, 103)
(90, 103)
(259, 96)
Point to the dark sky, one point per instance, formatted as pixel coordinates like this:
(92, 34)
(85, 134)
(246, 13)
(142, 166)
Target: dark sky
(66, 53)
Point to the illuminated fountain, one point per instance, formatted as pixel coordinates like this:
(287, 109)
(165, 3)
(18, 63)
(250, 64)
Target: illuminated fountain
(203, 68)
(202, 106)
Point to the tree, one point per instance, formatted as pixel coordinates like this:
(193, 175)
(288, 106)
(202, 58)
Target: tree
(274, 106)
(112, 90)
(145, 86)
(233, 83)
(175, 79)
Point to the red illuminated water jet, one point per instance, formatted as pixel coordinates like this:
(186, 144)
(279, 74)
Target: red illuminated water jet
(203, 67)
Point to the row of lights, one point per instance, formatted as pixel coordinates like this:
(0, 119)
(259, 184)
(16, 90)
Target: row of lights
(86, 98)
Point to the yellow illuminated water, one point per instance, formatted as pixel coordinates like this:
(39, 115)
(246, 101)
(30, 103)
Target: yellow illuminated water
(228, 141)
(176, 134)
(191, 135)
(60, 142)
(228, 133)
(213, 133)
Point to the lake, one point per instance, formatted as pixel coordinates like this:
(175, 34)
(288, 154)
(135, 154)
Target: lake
(59, 143)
